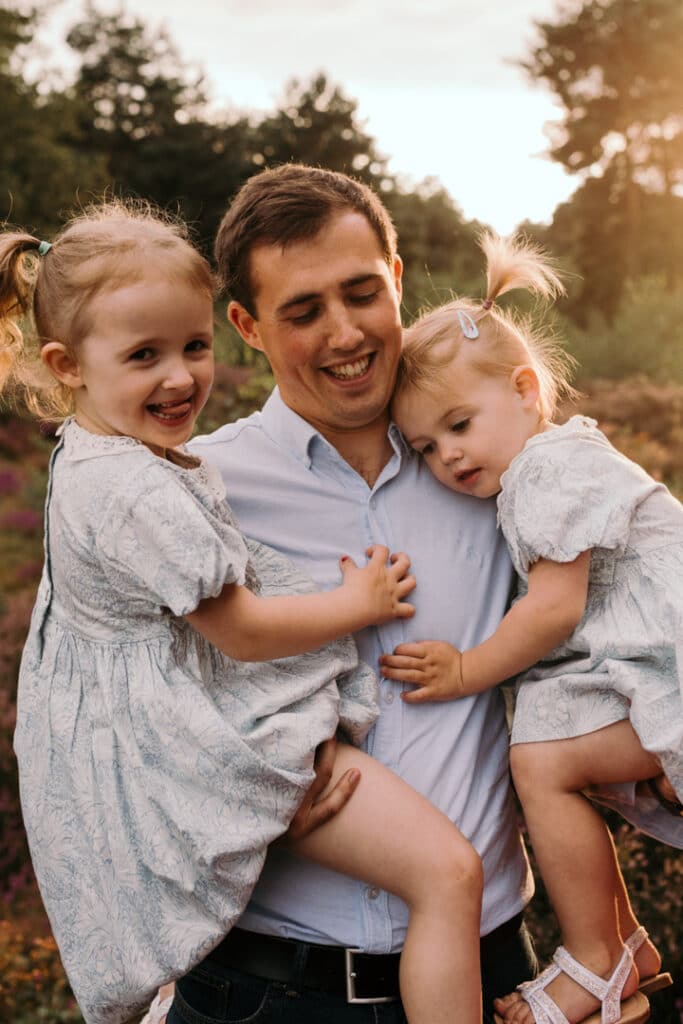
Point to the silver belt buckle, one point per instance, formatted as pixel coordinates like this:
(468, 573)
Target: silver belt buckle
(351, 996)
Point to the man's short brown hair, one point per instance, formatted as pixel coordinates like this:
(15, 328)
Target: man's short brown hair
(290, 203)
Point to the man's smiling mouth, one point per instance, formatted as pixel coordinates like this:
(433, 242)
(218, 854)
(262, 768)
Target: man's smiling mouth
(349, 371)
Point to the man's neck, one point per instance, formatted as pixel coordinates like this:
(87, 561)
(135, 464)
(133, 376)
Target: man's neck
(366, 449)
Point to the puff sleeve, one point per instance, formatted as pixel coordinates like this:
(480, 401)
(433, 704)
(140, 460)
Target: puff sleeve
(569, 493)
(166, 542)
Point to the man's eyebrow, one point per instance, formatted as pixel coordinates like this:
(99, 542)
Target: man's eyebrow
(351, 282)
(297, 300)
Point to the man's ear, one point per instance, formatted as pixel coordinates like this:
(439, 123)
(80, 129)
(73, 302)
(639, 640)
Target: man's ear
(245, 324)
(524, 380)
(62, 364)
(397, 270)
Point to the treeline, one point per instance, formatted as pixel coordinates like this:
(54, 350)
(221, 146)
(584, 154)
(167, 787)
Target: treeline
(135, 119)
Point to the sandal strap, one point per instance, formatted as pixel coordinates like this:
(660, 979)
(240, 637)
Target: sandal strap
(636, 939)
(608, 992)
(545, 1011)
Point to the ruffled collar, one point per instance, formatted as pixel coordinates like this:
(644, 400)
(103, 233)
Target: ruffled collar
(79, 444)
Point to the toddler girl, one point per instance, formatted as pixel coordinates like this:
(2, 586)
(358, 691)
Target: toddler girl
(161, 746)
(596, 637)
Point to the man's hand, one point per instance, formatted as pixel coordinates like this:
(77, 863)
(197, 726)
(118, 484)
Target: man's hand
(319, 805)
(433, 666)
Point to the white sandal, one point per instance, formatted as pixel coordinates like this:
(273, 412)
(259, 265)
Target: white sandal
(634, 1010)
(654, 982)
(157, 1011)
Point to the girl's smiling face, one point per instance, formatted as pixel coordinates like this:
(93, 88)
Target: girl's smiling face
(145, 366)
(469, 426)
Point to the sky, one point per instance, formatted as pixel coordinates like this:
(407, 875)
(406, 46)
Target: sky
(435, 82)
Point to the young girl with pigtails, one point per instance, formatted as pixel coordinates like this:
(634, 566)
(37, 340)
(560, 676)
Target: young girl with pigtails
(177, 678)
(595, 637)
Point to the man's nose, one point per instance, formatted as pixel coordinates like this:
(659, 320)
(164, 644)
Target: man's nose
(343, 331)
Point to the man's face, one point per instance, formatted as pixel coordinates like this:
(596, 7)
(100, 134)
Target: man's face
(328, 319)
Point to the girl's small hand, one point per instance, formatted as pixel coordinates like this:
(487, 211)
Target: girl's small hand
(379, 588)
(433, 666)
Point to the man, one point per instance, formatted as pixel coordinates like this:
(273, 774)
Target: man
(308, 258)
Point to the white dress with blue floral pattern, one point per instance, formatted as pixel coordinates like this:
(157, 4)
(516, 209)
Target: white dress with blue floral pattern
(155, 771)
(569, 491)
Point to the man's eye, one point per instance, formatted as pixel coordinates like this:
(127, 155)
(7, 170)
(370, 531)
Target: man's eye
(364, 298)
(426, 449)
(306, 317)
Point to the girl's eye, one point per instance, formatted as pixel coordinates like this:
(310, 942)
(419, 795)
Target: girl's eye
(460, 426)
(142, 355)
(197, 345)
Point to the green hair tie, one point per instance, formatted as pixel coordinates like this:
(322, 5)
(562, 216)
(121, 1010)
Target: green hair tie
(44, 248)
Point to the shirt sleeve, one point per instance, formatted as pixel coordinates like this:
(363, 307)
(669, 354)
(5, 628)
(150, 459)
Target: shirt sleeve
(564, 497)
(170, 544)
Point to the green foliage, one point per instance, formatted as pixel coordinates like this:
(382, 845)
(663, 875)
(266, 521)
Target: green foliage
(40, 169)
(144, 112)
(615, 67)
(438, 247)
(316, 123)
(645, 336)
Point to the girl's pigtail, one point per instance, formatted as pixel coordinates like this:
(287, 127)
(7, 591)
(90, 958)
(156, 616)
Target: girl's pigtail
(517, 263)
(17, 283)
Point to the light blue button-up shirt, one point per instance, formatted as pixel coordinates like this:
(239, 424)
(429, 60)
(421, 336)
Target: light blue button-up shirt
(292, 490)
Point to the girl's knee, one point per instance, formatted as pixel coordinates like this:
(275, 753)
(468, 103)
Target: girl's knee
(457, 866)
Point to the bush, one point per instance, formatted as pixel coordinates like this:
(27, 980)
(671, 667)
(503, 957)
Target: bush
(645, 337)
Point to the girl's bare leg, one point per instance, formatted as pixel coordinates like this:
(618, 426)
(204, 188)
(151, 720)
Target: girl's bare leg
(391, 837)
(576, 855)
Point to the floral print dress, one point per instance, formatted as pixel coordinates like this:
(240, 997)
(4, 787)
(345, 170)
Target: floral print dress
(155, 771)
(569, 491)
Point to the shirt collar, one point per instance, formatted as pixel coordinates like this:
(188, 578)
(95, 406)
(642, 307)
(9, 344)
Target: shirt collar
(288, 429)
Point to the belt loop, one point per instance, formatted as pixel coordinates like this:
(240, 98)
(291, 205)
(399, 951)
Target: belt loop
(296, 980)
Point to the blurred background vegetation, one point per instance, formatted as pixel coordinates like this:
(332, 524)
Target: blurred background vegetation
(134, 119)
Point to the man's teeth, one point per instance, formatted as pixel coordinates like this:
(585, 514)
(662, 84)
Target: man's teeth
(349, 370)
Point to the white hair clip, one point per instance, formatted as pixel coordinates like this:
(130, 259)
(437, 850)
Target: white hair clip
(467, 325)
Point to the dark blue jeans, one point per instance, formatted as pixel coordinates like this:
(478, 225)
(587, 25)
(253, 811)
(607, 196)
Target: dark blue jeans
(214, 994)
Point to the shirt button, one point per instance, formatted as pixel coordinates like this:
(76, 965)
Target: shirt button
(373, 893)
(389, 696)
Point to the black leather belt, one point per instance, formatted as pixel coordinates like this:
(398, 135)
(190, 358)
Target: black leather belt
(355, 976)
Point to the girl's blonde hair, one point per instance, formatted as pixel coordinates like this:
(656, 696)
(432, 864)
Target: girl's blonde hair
(49, 297)
(500, 341)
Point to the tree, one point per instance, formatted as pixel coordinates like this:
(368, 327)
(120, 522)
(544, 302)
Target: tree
(40, 172)
(615, 67)
(438, 247)
(145, 112)
(317, 124)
